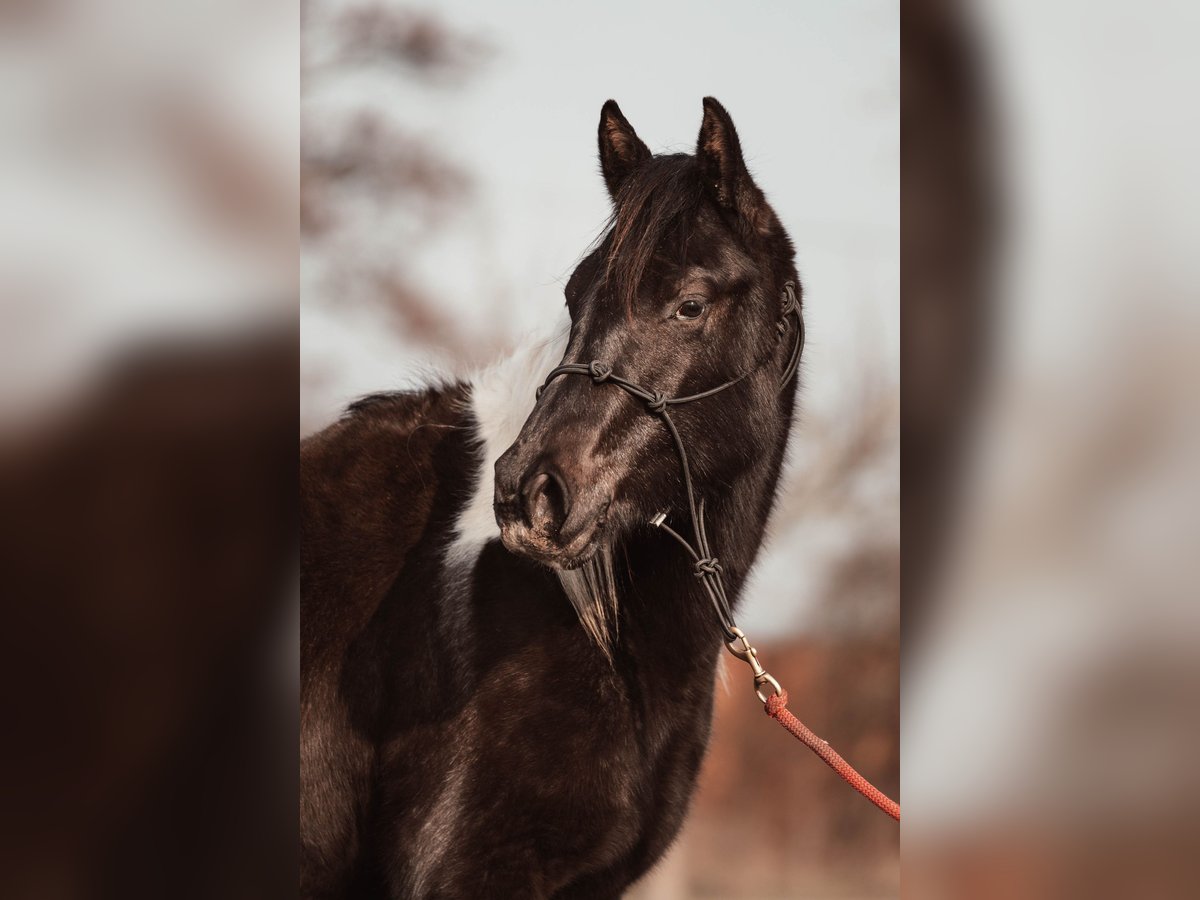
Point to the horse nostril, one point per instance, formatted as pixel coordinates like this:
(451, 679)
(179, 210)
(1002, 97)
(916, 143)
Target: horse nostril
(546, 501)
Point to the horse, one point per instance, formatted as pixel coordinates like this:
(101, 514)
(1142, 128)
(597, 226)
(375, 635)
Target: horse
(507, 671)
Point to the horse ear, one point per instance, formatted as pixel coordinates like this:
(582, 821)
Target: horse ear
(621, 150)
(726, 177)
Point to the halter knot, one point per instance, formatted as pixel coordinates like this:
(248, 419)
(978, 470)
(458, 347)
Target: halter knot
(537, 395)
(789, 298)
(708, 566)
(657, 402)
(599, 371)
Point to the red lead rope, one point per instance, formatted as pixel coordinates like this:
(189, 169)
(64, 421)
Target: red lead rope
(776, 705)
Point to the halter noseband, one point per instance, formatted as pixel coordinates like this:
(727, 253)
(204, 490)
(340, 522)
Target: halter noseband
(707, 567)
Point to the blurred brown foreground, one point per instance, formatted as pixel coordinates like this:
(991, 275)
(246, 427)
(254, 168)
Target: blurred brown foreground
(147, 539)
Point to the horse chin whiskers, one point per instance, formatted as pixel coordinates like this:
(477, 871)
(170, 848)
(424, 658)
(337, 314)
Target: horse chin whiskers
(592, 590)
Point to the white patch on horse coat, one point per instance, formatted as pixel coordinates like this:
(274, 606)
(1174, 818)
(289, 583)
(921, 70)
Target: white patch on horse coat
(502, 397)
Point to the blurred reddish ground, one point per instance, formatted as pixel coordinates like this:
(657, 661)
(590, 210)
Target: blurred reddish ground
(770, 820)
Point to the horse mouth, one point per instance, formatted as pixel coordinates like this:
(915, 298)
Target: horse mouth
(550, 549)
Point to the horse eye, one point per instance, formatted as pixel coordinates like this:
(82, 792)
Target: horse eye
(689, 309)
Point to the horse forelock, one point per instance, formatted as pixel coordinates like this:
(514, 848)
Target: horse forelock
(652, 214)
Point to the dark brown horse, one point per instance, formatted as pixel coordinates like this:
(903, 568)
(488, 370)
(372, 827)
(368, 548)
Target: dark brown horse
(462, 734)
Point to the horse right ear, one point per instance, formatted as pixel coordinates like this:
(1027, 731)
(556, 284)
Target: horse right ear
(621, 150)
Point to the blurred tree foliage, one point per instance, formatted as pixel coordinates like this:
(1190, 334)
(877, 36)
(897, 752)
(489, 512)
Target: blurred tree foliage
(373, 187)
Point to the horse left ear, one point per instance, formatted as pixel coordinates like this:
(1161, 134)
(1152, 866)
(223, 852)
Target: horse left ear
(726, 177)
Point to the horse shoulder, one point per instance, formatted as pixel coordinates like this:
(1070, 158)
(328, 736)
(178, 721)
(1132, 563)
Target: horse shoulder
(370, 484)
(371, 488)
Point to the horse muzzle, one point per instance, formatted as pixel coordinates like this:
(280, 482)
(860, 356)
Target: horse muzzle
(548, 512)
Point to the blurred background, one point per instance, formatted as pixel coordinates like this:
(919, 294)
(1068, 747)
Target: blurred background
(1050, 346)
(148, 352)
(449, 185)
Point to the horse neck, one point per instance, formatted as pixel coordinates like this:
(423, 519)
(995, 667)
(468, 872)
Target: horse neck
(735, 517)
